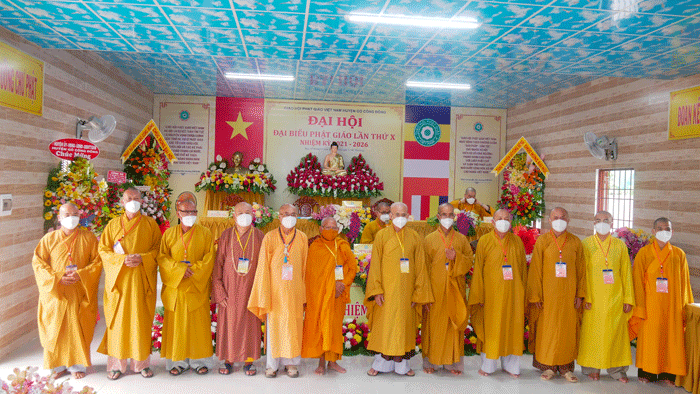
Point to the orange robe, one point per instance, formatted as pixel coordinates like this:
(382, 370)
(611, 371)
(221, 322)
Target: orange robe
(393, 325)
(281, 301)
(660, 346)
(554, 328)
(67, 314)
(323, 324)
(442, 332)
(477, 209)
(370, 231)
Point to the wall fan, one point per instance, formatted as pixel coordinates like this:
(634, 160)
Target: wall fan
(601, 147)
(98, 128)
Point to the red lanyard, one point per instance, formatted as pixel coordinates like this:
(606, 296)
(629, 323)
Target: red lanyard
(505, 249)
(661, 262)
(186, 244)
(287, 246)
(605, 254)
(74, 236)
(444, 240)
(557, 242)
(132, 227)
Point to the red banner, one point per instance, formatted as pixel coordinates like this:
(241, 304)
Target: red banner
(70, 148)
(239, 127)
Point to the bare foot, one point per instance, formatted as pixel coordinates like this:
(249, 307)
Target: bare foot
(61, 374)
(78, 375)
(372, 372)
(482, 373)
(410, 373)
(668, 383)
(455, 372)
(321, 370)
(643, 380)
(623, 380)
(594, 376)
(512, 375)
(337, 368)
(429, 370)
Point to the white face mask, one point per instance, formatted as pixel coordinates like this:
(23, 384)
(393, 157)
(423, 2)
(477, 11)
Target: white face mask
(400, 221)
(71, 222)
(244, 219)
(189, 220)
(132, 206)
(559, 225)
(602, 228)
(385, 217)
(502, 226)
(471, 200)
(447, 222)
(289, 221)
(664, 236)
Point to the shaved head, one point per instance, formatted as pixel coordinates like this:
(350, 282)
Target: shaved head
(559, 213)
(243, 207)
(502, 214)
(186, 196)
(329, 222)
(68, 209)
(289, 209)
(446, 209)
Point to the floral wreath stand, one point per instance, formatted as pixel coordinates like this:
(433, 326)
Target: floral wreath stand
(216, 201)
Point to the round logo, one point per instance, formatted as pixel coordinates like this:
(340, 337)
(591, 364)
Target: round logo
(184, 115)
(478, 127)
(427, 132)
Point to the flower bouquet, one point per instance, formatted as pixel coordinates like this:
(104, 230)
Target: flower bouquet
(307, 179)
(522, 192)
(465, 223)
(355, 337)
(363, 262)
(634, 239)
(469, 341)
(29, 381)
(259, 180)
(351, 221)
(262, 215)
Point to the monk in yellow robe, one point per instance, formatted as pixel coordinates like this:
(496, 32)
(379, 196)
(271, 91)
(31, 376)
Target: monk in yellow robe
(129, 247)
(67, 269)
(330, 270)
(497, 297)
(448, 257)
(370, 231)
(279, 292)
(555, 290)
(662, 290)
(609, 300)
(185, 262)
(470, 204)
(397, 287)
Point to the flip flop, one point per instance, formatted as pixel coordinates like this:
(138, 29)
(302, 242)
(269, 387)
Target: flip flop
(547, 375)
(250, 368)
(114, 374)
(202, 370)
(270, 373)
(292, 371)
(227, 369)
(146, 372)
(570, 377)
(176, 371)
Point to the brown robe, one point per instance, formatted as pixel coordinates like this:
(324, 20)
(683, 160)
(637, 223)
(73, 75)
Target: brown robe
(238, 333)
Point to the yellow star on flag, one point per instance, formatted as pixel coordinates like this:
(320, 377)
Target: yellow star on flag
(239, 126)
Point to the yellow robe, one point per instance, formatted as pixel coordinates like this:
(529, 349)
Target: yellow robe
(499, 324)
(67, 314)
(130, 293)
(370, 231)
(393, 325)
(477, 209)
(442, 332)
(604, 339)
(554, 328)
(323, 322)
(187, 320)
(281, 301)
(660, 347)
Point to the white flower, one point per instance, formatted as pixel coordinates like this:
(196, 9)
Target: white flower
(212, 168)
(256, 160)
(261, 168)
(348, 345)
(219, 158)
(222, 165)
(251, 167)
(349, 334)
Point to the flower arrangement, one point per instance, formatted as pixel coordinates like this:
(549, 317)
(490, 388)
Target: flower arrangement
(528, 235)
(262, 215)
(522, 192)
(634, 239)
(307, 179)
(76, 183)
(259, 180)
(351, 221)
(29, 381)
(354, 337)
(465, 222)
(469, 341)
(363, 262)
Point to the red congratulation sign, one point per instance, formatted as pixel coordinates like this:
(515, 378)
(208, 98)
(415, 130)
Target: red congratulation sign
(70, 148)
(117, 177)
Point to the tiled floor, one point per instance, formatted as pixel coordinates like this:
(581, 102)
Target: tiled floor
(355, 381)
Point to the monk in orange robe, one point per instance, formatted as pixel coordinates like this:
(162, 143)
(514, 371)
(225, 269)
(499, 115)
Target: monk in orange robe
(279, 292)
(330, 271)
(662, 290)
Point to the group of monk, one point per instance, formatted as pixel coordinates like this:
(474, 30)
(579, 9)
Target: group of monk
(583, 300)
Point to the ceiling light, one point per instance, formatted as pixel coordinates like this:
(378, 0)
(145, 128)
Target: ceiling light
(438, 85)
(413, 21)
(260, 77)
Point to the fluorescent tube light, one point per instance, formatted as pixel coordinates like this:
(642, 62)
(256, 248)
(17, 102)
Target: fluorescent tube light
(260, 77)
(438, 85)
(415, 21)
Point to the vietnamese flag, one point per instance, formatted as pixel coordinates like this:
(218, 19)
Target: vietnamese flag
(239, 127)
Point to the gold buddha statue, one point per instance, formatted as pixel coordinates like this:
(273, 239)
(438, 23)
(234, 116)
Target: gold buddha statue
(236, 168)
(333, 163)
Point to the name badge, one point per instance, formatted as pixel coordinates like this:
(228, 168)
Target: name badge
(339, 272)
(447, 266)
(661, 285)
(404, 265)
(71, 268)
(560, 269)
(243, 265)
(118, 249)
(287, 272)
(608, 278)
(507, 272)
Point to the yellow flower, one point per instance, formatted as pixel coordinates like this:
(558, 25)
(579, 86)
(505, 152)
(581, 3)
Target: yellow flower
(47, 203)
(56, 202)
(357, 337)
(48, 194)
(472, 339)
(53, 178)
(48, 216)
(351, 326)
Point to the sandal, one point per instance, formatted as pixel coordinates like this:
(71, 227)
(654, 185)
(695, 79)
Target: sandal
(270, 373)
(249, 369)
(372, 372)
(570, 377)
(547, 375)
(202, 370)
(292, 371)
(114, 374)
(146, 372)
(175, 371)
(410, 373)
(59, 375)
(226, 369)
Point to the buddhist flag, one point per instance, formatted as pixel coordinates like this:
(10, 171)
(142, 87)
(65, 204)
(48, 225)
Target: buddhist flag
(239, 127)
(426, 164)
